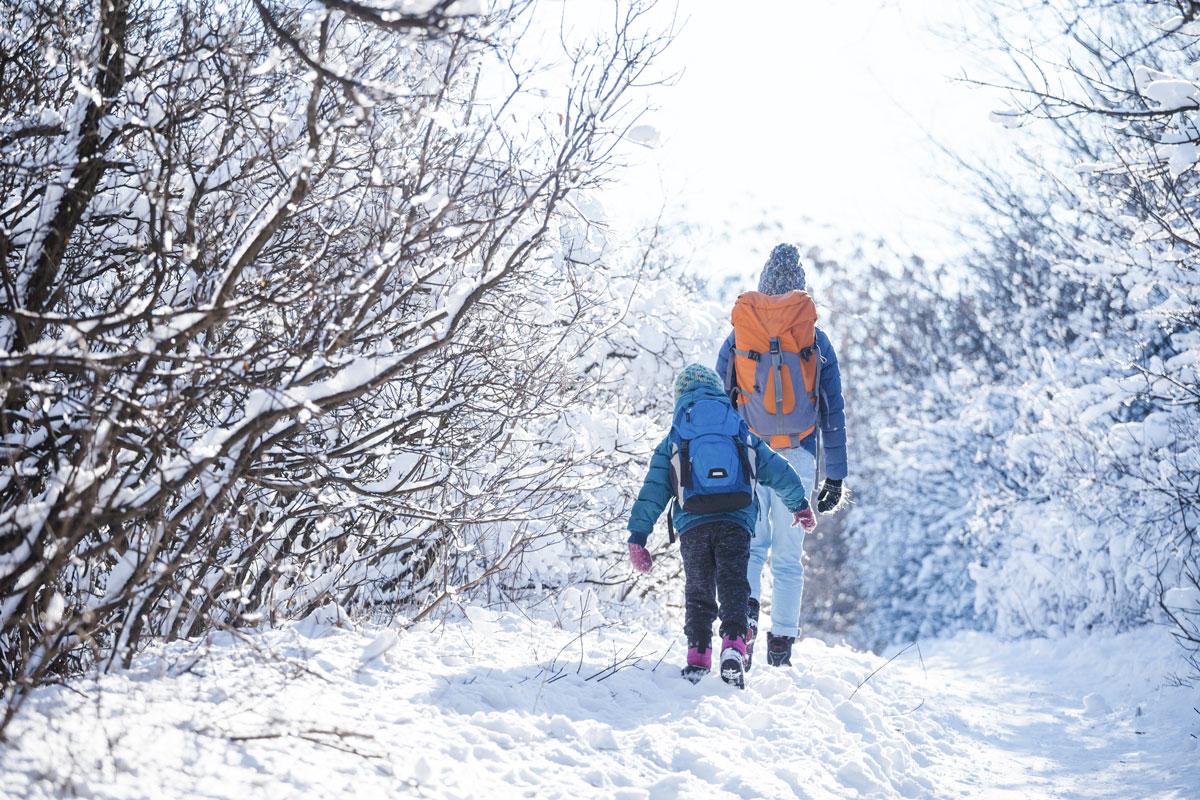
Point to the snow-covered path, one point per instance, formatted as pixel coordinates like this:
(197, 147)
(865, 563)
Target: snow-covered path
(1063, 719)
(503, 705)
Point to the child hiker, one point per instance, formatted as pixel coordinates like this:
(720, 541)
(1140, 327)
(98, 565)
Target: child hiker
(706, 468)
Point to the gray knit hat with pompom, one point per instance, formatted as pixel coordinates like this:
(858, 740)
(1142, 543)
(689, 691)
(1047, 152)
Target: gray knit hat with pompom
(783, 271)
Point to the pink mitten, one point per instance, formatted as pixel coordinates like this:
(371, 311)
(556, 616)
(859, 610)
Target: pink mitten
(640, 557)
(806, 519)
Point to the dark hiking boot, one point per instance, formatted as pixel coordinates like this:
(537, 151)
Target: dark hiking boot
(733, 661)
(699, 661)
(751, 630)
(779, 650)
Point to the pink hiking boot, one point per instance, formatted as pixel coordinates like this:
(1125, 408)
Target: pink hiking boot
(699, 661)
(733, 661)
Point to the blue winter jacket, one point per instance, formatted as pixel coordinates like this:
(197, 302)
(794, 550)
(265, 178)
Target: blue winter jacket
(832, 406)
(773, 471)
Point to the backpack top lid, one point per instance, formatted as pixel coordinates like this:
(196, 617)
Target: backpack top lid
(791, 316)
(703, 413)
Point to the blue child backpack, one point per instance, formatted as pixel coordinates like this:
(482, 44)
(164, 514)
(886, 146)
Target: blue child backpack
(712, 462)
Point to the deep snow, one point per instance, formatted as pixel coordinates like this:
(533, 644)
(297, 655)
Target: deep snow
(501, 704)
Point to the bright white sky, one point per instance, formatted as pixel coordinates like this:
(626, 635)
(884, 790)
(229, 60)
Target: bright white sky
(791, 109)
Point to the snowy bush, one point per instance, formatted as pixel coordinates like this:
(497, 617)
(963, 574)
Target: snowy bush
(1054, 439)
(1114, 424)
(298, 304)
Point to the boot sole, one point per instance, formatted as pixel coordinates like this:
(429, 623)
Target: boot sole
(733, 674)
(733, 668)
(693, 674)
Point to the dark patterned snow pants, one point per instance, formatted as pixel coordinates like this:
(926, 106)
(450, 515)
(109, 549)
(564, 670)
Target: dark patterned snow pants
(715, 555)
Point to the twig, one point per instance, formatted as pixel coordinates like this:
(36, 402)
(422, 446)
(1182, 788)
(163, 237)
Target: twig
(812, 694)
(627, 661)
(664, 655)
(915, 708)
(313, 735)
(582, 613)
(246, 737)
(910, 646)
(549, 669)
(925, 672)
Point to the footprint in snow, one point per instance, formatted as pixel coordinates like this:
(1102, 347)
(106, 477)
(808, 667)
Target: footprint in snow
(770, 684)
(669, 788)
(758, 720)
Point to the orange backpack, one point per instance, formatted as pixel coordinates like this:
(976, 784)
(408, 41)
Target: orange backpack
(775, 366)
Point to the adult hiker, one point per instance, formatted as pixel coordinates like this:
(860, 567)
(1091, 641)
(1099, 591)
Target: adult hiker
(782, 374)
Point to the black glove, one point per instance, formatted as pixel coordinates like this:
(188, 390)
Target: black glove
(830, 495)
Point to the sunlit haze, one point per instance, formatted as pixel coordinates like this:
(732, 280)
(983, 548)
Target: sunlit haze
(822, 111)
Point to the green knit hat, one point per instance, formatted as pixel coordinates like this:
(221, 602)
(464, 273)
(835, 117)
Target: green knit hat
(694, 375)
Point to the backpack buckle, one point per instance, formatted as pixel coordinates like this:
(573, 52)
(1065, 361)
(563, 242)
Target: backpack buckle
(753, 355)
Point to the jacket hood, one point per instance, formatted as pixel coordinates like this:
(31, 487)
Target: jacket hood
(699, 391)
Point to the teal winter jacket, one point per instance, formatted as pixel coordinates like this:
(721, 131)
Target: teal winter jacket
(773, 471)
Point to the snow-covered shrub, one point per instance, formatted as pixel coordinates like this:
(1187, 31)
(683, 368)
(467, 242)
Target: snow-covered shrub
(1067, 446)
(1112, 425)
(295, 299)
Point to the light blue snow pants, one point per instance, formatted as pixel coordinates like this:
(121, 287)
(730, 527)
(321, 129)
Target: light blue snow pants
(773, 533)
